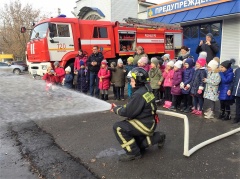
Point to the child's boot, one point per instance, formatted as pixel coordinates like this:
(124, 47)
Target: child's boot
(102, 96)
(172, 108)
(106, 97)
(187, 110)
(198, 113)
(209, 115)
(165, 104)
(207, 111)
(227, 116)
(222, 114)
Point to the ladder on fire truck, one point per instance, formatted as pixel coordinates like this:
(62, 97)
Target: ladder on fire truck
(142, 22)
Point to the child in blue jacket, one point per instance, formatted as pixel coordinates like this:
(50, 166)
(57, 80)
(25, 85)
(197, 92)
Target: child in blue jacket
(226, 99)
(187, 78)
(235, 91)
(68, 79)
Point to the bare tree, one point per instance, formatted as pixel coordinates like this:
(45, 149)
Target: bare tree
(12, 18)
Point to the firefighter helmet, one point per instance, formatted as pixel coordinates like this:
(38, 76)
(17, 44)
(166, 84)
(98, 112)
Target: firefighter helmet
(139, 75)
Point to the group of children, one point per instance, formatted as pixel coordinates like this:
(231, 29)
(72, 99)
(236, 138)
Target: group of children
(187, 84)
(182, 84)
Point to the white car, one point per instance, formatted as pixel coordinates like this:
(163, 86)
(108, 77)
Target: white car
(16, 69)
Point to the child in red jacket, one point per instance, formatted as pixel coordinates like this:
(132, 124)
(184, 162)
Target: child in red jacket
(59, 72)
(104, 80)
(50, 79)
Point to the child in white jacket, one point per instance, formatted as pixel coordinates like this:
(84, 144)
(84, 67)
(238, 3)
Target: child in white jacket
(211, 90)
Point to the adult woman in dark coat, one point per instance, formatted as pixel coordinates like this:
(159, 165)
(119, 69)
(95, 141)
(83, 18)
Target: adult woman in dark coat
(210, 46)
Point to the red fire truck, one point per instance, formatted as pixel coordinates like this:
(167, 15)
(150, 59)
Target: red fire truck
(60, 38)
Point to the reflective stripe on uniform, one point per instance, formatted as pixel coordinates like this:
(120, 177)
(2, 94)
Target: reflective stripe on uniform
(128, 148)
(143, 129)
(149, 141)
(153, 109)
(148, 96)
(118, 110)
(128, 143)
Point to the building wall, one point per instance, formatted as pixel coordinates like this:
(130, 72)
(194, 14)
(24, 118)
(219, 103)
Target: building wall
(124, 9)
(103, 5)
(231, 38)
(142, 15)
(115, 10)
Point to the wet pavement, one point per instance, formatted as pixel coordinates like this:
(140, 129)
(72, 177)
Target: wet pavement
(70, 133)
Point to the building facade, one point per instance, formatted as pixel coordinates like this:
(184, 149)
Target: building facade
(199, 17)
(111, 10)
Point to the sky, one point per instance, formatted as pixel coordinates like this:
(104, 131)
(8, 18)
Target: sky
(51, 6)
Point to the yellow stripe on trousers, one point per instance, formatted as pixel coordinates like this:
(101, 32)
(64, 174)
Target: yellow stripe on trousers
(128, 143)
(149, 140)
(128, 148)
(143, 129)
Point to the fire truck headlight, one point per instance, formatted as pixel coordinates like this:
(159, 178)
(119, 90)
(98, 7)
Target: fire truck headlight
(44, 67)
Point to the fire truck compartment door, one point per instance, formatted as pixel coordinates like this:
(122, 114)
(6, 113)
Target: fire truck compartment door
(62, 42)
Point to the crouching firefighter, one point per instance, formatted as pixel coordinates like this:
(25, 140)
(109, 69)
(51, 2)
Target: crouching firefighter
(136, 132)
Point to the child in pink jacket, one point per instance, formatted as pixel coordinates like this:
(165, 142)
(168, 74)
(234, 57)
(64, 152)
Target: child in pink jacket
(167, 84)
(104, 80)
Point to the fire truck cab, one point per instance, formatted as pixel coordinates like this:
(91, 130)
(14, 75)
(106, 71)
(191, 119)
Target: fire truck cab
(59, 39)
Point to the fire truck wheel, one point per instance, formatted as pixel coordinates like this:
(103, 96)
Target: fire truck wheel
(16, 71)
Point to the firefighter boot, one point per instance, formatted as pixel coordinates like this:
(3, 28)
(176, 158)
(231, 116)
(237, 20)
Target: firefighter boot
(106, 97)
(157, 138)
(128, 157)
(102, 97)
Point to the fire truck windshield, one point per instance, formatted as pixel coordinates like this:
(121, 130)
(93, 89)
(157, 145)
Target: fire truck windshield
(40, 31)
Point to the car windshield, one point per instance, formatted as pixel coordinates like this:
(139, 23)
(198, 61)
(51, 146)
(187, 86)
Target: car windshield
(39, 31)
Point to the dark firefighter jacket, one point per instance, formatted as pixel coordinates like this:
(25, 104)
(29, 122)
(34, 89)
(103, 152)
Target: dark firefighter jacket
(141, 107)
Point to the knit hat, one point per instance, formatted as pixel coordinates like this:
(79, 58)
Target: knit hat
(166, 55)
(216, 59)
(170, 63)
(178, 64)
(213, 65)
(210, 35)
(56, 63)
(202, 54)
(130, 59)
(81, 63)
(190, 62)
(104, 62)
(143, 60)
(68, 69)
(160, 62)
(120, 61)
(201, 61)
(155, 61)
(227, 64)
(113, 64)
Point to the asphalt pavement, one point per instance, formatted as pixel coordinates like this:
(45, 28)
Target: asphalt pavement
(71, 136)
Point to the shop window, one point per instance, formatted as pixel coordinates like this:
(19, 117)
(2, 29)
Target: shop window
(100, 32)
(194, 33)
(186, 32)
(215, 29)
(204, 30)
